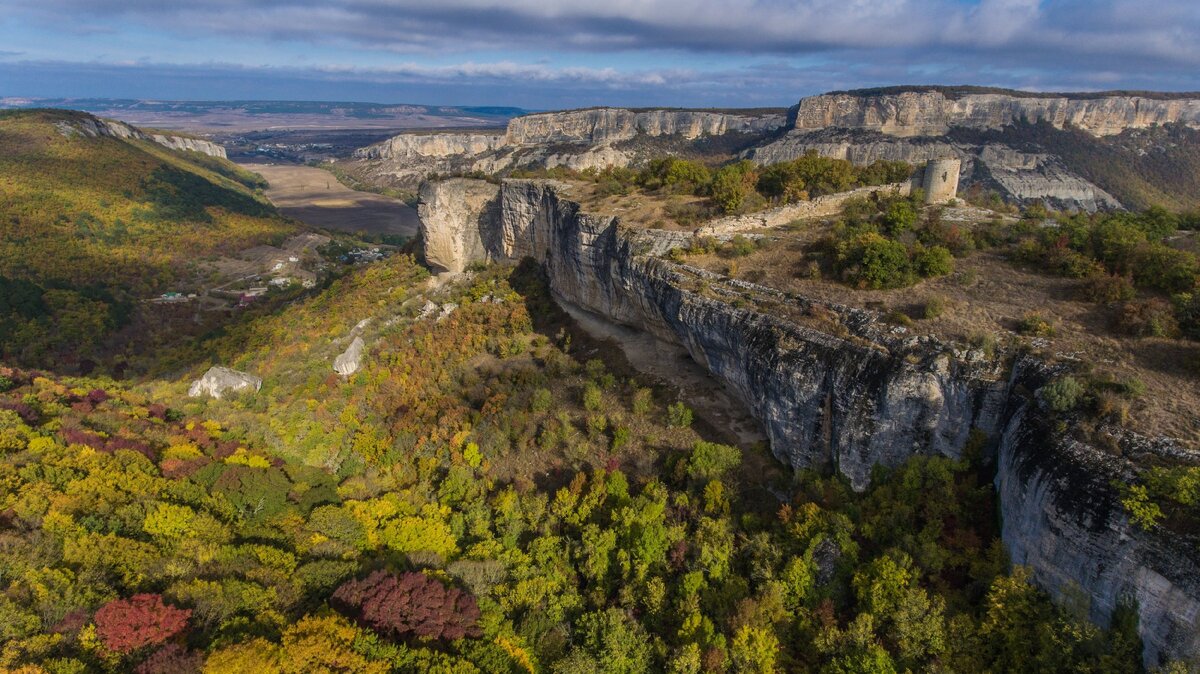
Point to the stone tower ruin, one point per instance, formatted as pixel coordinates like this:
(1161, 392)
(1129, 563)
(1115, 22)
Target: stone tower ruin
(941, 180)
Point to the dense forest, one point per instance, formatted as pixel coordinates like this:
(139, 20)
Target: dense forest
(492, 490)
(488, 493)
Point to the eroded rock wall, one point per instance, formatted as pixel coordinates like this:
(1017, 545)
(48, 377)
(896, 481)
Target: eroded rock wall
(607, 125)
(1020, 175)
(933, 113)
(576, 139)
(95, 126)
(832, 386)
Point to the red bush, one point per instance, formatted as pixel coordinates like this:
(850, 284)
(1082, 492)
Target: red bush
(412, 603)
(171, 659)
(125, 625)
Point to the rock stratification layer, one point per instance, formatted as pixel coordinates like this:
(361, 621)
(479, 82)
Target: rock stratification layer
(833, 387)
(919, 125)
(933, 113)
(577, 139)
(96, 126)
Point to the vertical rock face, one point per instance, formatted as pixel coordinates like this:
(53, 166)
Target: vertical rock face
(450, 214)
(856, 399)
(421, 145)
(1061, 518)
(931, 113)
(577, 139)
(604, 125)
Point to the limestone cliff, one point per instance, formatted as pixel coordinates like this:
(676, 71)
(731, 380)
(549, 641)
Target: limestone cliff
(833, 386)
(577, 139)
(933, 113)
(1020, 175)
(96, 126)
(606, 125)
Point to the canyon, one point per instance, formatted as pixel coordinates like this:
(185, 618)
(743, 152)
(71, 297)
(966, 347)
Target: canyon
(834, 387)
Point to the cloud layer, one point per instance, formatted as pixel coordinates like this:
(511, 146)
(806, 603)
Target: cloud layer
(683, 49)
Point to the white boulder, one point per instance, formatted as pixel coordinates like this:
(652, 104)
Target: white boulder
(220, 380)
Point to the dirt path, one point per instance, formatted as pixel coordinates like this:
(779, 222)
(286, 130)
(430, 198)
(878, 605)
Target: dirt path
(316, 197)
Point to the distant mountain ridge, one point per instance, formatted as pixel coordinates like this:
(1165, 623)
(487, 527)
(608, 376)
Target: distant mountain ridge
(338, 108)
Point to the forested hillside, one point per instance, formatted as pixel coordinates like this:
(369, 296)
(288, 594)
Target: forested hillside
(90, 225)
(488, 493)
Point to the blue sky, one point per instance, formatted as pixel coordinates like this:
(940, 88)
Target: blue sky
(546, 54)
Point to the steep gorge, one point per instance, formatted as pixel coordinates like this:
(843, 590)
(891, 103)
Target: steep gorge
(833, 387)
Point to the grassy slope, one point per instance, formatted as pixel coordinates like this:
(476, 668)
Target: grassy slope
(122, 214)
(91, 225)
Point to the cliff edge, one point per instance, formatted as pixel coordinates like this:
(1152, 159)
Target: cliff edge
(834, 387)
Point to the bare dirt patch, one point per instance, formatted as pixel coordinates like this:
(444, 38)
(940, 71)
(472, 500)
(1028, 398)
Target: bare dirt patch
(317, 198)
(676, 212)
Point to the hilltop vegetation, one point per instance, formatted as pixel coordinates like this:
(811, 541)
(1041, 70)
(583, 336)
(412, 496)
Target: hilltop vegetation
(730, 188)
(91, 225)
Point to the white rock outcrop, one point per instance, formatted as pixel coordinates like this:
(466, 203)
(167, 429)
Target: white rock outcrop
(933, 113)
(348, 361)
(221, 380)
(577, 139)
(96, 126)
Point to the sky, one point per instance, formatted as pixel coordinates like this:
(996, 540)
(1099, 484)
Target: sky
(547, 54)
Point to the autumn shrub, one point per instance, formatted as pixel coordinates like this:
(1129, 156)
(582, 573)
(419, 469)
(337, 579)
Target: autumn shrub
(934, 307)
(871, 261)
(411, 604)
(932, 261)
(1187, 314)
(1034, 324)
(592, 400)
(1107, 288)
(643, 399)
(1063, 394)
(1164, 268)
(125, 625)
(899, 217)
(1147, 318)
(739, 246)
(710, 460)
(679, 415)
